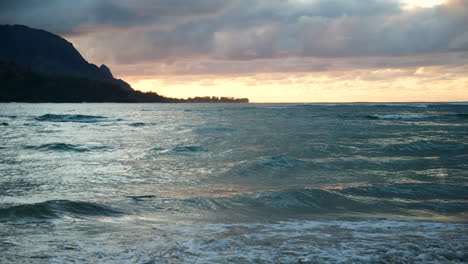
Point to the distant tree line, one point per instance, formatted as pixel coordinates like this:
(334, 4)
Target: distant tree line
(216, 99)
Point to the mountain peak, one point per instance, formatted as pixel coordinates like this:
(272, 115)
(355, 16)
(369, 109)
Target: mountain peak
(47, 53)
(106, 71)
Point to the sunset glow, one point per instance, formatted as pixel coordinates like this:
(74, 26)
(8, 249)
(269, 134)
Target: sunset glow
(280, 51)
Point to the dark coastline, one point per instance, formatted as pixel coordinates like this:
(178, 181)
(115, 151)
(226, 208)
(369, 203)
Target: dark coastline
(18, 84)
(37, 66)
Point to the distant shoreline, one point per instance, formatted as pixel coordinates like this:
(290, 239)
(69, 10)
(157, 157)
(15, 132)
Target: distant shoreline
(21, 84)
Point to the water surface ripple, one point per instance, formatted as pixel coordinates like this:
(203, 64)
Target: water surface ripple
(225, 183)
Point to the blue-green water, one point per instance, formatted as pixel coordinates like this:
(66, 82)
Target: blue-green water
(254, 183)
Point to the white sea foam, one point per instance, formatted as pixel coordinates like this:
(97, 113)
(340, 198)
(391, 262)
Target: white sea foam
(303, 241)
(382, 241)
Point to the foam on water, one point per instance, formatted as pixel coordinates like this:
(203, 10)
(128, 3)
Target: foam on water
(257, 183)
(324, 242)
(296, 241)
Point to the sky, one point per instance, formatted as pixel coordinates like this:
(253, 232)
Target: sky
(268, 50)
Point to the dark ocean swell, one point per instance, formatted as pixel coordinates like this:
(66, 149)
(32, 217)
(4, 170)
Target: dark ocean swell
(411, 191)
(56, 209)
(71, 118)
(291, 201)
(425, 148)
(62, 147)
(267, 165)
(415, 117)
(398, 199)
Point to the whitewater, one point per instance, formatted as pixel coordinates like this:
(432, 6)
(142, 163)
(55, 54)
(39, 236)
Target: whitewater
(234, 183)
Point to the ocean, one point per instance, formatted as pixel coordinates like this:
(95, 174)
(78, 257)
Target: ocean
(233, 183)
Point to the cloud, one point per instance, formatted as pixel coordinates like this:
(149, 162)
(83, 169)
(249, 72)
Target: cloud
(182, 36)
(67, 17)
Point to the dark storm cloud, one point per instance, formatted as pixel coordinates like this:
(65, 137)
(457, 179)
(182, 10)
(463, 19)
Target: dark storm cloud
(67, 17)
(167, 31)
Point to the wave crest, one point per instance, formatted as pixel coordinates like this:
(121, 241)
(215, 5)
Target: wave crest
(71, 118)
(425, 148)
(53, 147)
(57, 209)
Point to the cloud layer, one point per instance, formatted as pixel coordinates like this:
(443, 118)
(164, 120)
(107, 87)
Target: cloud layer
(150, 38)
(171, 30)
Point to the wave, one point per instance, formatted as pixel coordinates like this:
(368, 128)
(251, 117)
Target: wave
(56, 209)
(398, 199)
(278, 162)
(461, 115)
(72, 118)
(401, 105)
(138, 124)
(310, 241)
(403, 116)
(400, 117)
(185, 149)
(413, 191)
(268, 165)
(209, 130)
(66, 147)
(366, 104)
(9, 116)
(304, 105)
(178, 150)
(275, 107)
(425, 148)
(302, 200)
(139, 197)
(454, 103)
(4, 124)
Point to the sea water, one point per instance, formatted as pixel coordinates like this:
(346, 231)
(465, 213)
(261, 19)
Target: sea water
(233, 183)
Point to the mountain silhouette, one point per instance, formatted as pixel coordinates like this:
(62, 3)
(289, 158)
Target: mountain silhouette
(49, 54)
(38, 66)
